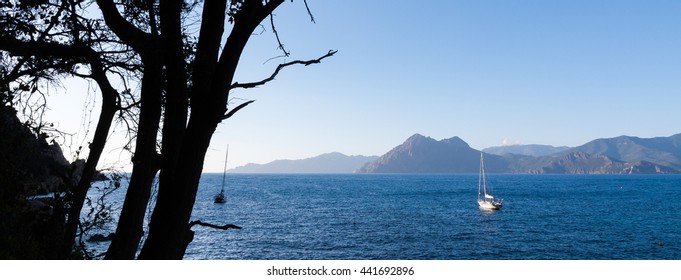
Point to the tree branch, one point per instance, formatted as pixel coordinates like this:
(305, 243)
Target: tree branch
(225, 227)
(281, 66)
(251, 14)
(131, 35)
(208, 46)
(308, 11)
(236, 109)
(32, 48)
(276, 35)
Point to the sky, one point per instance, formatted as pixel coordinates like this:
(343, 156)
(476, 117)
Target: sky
(493, 73)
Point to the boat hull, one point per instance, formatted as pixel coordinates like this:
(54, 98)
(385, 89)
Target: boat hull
(220, 198)
(490, 205)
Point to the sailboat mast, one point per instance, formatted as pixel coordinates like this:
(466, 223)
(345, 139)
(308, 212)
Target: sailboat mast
(482, 174)
(224, 170)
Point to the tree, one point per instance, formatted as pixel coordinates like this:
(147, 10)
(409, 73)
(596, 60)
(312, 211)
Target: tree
(179, 73)
(48, 40)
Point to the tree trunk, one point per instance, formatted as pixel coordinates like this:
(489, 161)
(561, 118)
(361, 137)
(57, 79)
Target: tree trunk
(146, 163)
(176, 103)
(80, 192)
(109, 108)
(169, 232)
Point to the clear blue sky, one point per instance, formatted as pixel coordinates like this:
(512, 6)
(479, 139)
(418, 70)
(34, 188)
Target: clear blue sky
(490, 72)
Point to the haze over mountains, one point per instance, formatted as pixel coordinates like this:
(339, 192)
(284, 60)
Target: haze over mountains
(325, 163)
(421, 154)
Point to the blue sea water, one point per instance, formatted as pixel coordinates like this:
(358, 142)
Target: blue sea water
(361, 216)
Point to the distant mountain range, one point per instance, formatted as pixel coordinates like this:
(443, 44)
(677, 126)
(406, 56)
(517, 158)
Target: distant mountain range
(325, 163)
(665, 151)
(421, 154)
(620, 155)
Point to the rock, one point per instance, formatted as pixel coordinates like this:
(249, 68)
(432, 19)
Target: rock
(41, 165)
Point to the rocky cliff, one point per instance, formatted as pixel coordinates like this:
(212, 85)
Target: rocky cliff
(29, 158)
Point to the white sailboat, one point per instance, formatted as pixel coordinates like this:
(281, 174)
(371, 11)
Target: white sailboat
(486, 200)
(220, 198)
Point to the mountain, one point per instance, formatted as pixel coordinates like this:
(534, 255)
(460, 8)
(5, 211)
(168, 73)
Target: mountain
(620, 155)
(421, 154)
(664, 151)
(584, 163)
(526, 150)
(325, 163)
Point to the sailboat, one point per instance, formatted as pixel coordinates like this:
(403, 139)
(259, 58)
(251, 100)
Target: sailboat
(486, 200)
(220, 198)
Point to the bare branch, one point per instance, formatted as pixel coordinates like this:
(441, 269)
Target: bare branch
(281, 66)
(308, 11)
(236, 109)
(225, 227)
(276, 34)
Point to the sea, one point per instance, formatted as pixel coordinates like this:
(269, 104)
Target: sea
(433, 217)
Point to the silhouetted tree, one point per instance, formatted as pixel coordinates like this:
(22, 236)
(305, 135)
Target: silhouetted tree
(146, 39)
(46, 40)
